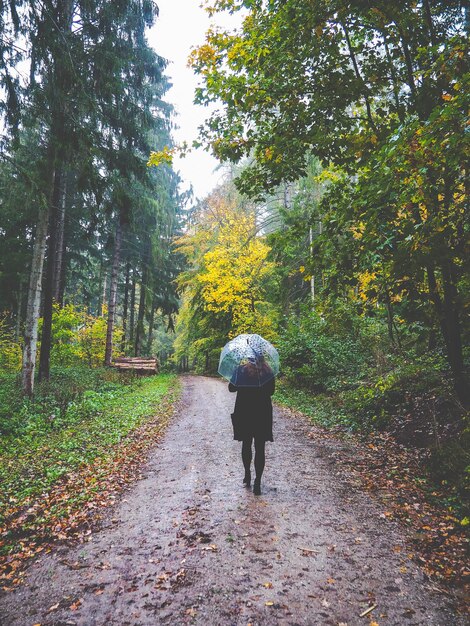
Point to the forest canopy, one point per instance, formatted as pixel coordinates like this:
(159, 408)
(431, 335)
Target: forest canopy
(378, 93)
(84, 221)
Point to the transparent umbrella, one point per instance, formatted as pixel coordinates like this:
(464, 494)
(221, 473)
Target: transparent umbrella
(249, 361)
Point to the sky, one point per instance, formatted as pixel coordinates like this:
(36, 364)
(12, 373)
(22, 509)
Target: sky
(181, 26)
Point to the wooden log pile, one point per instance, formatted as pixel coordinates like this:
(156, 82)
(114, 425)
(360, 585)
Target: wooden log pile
(138, 365)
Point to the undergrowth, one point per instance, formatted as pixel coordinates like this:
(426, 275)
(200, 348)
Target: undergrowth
(73, 420)
(415, 402)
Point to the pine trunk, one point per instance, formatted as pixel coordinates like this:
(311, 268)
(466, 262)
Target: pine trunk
(113, 294)
(132, 314)
(151, 323)
(139, 331)
(125, 307)
(59, 248)
(46, 338)
(19, 310)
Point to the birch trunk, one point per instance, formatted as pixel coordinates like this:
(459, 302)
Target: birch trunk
(34, 301)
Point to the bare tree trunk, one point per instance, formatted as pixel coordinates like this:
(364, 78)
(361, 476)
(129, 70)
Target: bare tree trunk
(151, 323)
(46, 339)
(428, 18)
(454, 338)
(58, 132)
(59, 248)
(449, 321)
(19, 310)
(132, 313)
(34, 301)
(139, 331)
(113, 293)
(125, 307)
(104, 292)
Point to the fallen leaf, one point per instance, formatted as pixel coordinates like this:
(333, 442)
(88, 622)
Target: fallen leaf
(269, 603)
(268, 585)
(54, 607)
(76, 605)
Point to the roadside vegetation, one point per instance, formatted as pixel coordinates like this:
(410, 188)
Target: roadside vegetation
(340, 234)
(68, 452)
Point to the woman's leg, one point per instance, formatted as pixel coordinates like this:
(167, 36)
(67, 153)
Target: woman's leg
(246, 458)
(259, 464)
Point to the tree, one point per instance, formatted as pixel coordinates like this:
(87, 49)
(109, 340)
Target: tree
(226, 283)
(378, 90)
(91, 104)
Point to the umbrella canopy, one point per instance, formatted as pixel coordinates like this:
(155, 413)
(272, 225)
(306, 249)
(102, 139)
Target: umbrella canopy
(249, 361)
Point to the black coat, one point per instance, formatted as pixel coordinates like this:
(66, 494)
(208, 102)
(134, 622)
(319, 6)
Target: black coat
(253, 413)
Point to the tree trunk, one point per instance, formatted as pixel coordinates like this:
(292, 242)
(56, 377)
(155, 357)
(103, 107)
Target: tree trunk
(150, 332)
(125, 307)
(113, 293)
(454, 339)
(429, 22)
(34, 301)
(139, 331)
(19, 310)
(58, 135)
(449, 322)
(132, 313)
(59, 248)
(104, 292)
(46, 338)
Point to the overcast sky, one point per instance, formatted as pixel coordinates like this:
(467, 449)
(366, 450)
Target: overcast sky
(182, 25)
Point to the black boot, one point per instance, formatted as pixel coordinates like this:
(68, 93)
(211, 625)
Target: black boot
(247, 479)
(257, 487)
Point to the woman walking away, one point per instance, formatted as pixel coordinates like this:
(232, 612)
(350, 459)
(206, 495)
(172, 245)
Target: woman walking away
(253, 420)
(250, 363)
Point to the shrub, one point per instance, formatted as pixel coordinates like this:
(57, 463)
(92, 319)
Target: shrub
(10, 350)
(314, 357)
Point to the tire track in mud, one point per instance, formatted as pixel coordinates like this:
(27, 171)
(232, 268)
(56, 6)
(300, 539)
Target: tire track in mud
(188, 544)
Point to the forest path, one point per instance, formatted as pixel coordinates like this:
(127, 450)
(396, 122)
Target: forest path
(188, 544)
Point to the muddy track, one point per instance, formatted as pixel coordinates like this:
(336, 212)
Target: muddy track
(188, 544)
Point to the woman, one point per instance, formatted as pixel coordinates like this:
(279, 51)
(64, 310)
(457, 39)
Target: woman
(253, 419)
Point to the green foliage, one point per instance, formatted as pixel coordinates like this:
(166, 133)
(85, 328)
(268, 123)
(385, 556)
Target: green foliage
(52, 398)
(379, 94)
(78, 337)
(73, 421)
(332, 347)
(66, 322)
(227, 280)
(10, 350)
(412, 398)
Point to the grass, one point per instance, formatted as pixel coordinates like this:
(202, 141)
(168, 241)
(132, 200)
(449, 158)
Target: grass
(49, 446)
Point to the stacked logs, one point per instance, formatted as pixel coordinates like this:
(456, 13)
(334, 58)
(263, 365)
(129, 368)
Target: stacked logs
(137, 365)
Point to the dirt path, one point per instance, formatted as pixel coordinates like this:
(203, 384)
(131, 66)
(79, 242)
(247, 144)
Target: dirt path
(189, 544)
